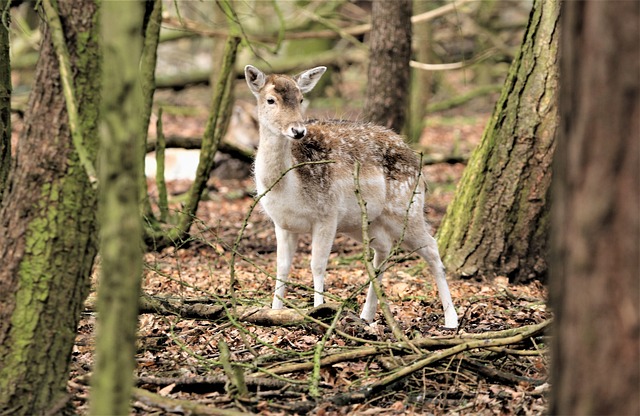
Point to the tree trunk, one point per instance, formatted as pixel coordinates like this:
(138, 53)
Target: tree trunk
(594, 284)
(389, 56)
(47, 225)
(498, 221)
(5, 97)
(214, 132)
(151, 28)
(421, 81)
(119, 208)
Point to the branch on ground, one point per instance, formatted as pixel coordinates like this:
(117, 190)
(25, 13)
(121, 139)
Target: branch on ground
(207, 310)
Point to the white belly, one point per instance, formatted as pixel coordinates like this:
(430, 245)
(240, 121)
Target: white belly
(292, 209)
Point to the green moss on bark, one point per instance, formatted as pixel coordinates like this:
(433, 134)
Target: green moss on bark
(496, 224)
(47, 232)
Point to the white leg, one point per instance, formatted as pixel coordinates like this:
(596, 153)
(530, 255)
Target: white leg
(429, 251)
(322, 240)
(371, 304)
(287, 244)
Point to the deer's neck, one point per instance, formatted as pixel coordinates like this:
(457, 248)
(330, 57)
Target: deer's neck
(273, 158)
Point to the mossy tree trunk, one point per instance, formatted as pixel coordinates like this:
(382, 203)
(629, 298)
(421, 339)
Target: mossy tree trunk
(151, 27)
(421, 81)
(120, 222)
(48, 225)
(497, 223)
(5, 96)
(389, 57)
(594, 284)
(215, 129)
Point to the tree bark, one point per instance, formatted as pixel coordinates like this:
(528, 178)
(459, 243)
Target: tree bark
(47, 225)
(215, 130)
(119, 208)
(594, 284)
(148, 60)
(389, 56)
(498, 221)
(421, 81)
(5, 96)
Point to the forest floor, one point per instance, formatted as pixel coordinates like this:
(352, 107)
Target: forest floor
(179, 356)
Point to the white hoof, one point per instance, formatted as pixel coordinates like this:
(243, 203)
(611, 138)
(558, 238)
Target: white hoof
(450, 319)
(318, 299)
(368, 314)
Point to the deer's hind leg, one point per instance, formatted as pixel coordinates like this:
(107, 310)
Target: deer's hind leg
(419, 240)
(381, 245)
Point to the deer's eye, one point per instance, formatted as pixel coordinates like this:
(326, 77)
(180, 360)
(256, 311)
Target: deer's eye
(271, 101)
(301, 100)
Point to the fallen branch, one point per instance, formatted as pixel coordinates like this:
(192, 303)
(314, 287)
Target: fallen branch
(180, 406)
(377, 387)
(399, 348)
(215, 383)
(495, 374)
(256, 315)
(196, 143)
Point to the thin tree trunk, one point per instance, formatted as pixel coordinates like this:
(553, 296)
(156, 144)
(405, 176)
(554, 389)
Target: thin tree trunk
(120, 222)
(498, 221)
(5, 96)
(595, 284)
(48, 226)
(151, 27)
(389, 56)
(421, 81)
(214, 132)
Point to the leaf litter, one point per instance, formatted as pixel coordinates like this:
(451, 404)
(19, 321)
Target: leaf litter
(179, 358)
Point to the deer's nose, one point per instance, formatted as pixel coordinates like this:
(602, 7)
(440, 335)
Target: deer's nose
(298, 132)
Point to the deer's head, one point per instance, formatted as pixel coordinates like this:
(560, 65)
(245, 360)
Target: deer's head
(280, 99)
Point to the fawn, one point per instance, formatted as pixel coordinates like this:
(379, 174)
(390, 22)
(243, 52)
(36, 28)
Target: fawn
(320, 198)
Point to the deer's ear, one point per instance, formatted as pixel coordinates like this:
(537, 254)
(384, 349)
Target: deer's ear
(255, 78)
(308, 79)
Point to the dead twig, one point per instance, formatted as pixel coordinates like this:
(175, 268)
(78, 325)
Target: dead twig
(521, 334)
(379, 386)
(236, 383)
(493, 373)
(180, 406)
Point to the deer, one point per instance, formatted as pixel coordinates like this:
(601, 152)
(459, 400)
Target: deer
(303, 195)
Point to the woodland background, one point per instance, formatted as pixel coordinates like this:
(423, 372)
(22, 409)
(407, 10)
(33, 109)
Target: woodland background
(479, 88)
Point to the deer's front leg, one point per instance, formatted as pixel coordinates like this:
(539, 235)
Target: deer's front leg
(287, 244)
(322, 240)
